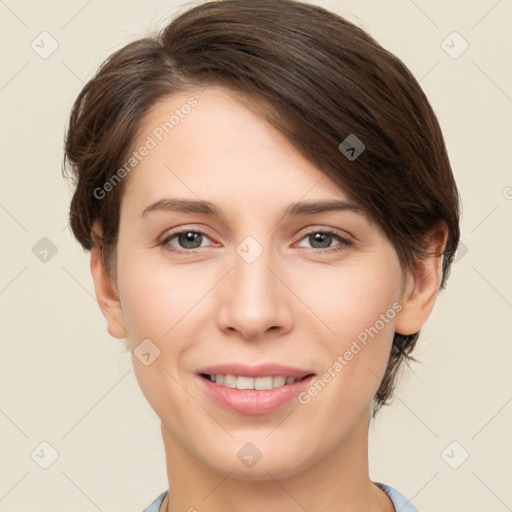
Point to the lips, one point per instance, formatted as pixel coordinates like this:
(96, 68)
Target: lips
(251, 390)
(261, 370)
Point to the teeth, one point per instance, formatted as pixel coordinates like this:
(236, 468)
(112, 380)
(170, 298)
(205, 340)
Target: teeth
(243, 382)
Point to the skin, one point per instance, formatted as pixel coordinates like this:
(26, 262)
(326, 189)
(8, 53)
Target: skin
(210, 306)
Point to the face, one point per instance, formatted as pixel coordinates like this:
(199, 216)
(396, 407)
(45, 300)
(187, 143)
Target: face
(316, 291)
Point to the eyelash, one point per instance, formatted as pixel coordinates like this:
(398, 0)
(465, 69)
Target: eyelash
(343, 242)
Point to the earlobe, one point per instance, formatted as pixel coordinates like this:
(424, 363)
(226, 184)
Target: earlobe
(106, 293)
(422, 285)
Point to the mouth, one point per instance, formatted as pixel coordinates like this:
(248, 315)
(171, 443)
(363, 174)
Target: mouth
(253, 389)
(253, 383)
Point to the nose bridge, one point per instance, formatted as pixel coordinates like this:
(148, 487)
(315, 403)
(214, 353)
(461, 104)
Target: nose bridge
(253, 301)
(252, 267)
(252, 278)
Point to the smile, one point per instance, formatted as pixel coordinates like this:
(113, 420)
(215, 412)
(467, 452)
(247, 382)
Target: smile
(245, 382)
(253, 395)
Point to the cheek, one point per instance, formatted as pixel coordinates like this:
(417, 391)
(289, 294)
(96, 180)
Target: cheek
(349, 299)
(359, 305)
(157, 298)
(158, 303)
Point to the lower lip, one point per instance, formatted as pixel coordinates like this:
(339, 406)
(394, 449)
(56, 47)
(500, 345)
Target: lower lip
(252, 402)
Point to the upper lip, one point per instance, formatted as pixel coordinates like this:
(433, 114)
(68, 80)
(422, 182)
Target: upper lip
(261, 370)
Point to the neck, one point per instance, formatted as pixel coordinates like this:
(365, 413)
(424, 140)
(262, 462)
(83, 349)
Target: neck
(337, 482)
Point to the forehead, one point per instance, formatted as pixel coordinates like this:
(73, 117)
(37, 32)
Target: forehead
(208, 144)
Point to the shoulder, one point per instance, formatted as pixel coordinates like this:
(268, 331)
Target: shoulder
(155, 505)
(400, 502)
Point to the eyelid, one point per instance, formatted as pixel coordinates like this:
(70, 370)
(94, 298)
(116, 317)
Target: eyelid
(344, 242)
(180, 229)
(168, 235)
(316, 228)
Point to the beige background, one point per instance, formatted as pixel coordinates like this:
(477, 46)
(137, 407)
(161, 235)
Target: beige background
(66, 382)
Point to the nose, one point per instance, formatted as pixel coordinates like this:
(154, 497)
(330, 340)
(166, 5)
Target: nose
(254, 301)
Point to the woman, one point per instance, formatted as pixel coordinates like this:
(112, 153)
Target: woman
(271, 213)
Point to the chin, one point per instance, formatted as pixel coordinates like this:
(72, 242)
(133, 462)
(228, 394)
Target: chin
(268, 467)
(259, 472)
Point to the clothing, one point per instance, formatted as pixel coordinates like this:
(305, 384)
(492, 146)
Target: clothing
(401, 503)
(153, 507)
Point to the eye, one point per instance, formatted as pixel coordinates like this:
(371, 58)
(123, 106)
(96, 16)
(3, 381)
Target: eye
(323, 239)
(187, 239)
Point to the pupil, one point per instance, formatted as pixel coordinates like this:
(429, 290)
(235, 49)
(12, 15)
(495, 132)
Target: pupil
(189, 239)
(322, 238)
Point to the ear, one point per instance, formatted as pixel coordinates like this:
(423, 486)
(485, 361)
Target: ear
(105, 287)
(422, 285)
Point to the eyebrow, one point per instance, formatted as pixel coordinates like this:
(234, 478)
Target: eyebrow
(294, 209)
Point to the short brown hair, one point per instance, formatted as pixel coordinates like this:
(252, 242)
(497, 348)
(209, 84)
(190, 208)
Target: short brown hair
(318, 79)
